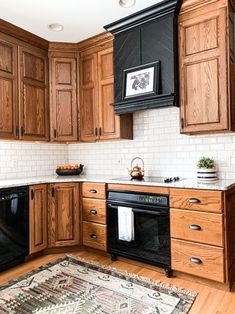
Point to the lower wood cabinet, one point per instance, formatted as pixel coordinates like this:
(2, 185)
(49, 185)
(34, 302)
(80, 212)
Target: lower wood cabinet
(38, 218)
(63, 214)
(94, 235)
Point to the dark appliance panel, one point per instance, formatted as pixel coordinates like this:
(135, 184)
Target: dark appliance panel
(14, 226)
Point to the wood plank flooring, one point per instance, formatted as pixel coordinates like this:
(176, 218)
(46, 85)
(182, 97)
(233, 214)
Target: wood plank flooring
(208, 301)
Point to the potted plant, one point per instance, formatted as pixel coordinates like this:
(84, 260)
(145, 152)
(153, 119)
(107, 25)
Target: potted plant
(206, 170)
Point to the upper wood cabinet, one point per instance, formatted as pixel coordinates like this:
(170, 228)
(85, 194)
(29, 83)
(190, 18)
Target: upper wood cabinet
(64, 108)
(38, 218)
(206, 59)
(24, 112)
(63, 214)
(97, 118)
(9, 120)
(34, 110)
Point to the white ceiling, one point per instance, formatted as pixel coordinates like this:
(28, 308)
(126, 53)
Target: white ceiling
(81, 18)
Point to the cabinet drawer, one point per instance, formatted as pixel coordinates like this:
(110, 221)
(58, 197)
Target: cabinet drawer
(94, 235)
(202, 200)
(198, 259)
(94, 210)
(94, 190)
(197, 226)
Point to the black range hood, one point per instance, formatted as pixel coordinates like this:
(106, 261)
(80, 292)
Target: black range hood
(143, 38)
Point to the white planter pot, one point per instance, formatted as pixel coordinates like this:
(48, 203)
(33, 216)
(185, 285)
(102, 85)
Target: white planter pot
(206, 175)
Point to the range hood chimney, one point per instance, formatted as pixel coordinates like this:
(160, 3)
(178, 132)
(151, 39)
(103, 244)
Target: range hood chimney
(146, 58)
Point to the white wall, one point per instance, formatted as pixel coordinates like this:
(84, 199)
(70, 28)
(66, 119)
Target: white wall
(24, 159)
(158, 141)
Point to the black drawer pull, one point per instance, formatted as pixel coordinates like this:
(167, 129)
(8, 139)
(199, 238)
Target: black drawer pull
(194, 201)
(93, 236)
(195, 260)
(93, 211)
(92, 191)
(195, 227)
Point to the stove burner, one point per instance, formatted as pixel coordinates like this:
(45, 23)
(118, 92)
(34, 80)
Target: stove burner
(151, 179)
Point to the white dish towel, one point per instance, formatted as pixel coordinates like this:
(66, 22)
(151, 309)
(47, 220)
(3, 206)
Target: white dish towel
(125, 224)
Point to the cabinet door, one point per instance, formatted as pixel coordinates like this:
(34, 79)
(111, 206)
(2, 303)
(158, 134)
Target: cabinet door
(9, 122)
(109, 123)
(38, 218)
(88, 98)
(63, 218)
(64, 99)
(203, 71)
(34, 114)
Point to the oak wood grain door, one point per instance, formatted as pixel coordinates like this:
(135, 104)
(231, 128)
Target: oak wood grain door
(9, 120)
(34, 113)
(38, 218)
(63, 216)
(88, 98)
(64, 99)
(203, 70)
(109, 123)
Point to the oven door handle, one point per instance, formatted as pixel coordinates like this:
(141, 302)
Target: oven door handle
(149, 212)
(142, 211)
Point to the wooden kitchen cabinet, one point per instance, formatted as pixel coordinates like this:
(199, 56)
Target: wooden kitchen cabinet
(24, 107)
(38, 218)
(34, 106)
(98, 121)
(206, 64)
(63, 214)
(63, 101)
(9, 120)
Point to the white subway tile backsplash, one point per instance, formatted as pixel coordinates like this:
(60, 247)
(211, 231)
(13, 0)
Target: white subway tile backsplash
(158, 141)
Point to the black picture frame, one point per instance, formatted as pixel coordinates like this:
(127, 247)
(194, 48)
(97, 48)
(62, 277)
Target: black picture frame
(142, 80)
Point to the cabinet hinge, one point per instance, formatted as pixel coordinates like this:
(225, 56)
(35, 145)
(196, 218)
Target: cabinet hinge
(100, 130)
(55, 133)
(53, 192)
(96, 131)
(32, 194)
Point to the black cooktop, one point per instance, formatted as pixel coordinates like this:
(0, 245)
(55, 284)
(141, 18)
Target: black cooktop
(151, 179)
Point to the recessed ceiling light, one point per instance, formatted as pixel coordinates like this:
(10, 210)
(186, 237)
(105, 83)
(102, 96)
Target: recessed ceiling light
(56, 27)
(127, 3)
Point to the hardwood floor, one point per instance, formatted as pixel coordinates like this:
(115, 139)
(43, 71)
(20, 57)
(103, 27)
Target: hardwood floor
(208, 301)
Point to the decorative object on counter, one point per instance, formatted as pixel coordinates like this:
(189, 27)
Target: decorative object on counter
(141, 81)
(68, 170)
(136, 172)
(206, 170)
(72, 285)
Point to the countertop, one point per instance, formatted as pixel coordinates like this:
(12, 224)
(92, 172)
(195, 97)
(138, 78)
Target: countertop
(220, 185)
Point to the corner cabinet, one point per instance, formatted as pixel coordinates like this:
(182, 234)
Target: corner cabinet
(38, 218)
(63, 100)
(206, 62)
(97, 118)
(63, 215)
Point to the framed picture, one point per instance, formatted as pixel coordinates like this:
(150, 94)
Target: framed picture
(141, 81)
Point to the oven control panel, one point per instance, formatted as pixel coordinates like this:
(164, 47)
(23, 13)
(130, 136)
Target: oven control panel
(154, 200)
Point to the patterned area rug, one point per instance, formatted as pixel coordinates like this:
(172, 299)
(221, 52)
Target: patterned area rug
(72, 286)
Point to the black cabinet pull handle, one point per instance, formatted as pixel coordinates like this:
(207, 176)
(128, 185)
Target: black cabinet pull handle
(93, 211)
(92, 191)
(195, 260)
(93, 236)
(194, 201)
(195, 227)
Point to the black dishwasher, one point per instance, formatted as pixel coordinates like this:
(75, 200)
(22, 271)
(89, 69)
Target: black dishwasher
(14, 226)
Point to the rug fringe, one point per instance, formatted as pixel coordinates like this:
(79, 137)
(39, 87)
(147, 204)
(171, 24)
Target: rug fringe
(162, 284)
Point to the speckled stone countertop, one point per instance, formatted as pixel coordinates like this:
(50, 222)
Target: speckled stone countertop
(220, 185)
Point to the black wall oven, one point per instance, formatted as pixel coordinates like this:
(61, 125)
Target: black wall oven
(14, 226)
(150, 241)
